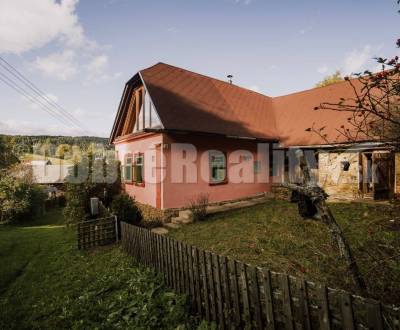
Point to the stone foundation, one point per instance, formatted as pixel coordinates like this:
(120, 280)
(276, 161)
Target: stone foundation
(281, 193)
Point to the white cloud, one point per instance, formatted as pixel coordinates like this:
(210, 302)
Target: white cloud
(60, 65)
(97, 65)
(245, 2)
(35, 105)
(172, 29)
(323, 69)
(98, 70)
(52, 97)
(27, 24)
(305, 30)
(357, 60)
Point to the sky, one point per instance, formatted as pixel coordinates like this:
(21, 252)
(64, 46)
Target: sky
(81, 53)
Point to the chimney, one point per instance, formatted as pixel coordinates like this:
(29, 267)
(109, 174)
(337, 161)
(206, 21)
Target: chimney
(229, 76)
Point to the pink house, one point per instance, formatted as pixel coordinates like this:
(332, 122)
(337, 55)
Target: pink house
(179, 134)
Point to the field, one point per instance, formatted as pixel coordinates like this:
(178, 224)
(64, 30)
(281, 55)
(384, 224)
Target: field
(273, 235)
(53, 160)
(46, 283)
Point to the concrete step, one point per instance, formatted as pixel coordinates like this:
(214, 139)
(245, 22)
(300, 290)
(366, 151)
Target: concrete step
(186, 221)
(176, 220)
(185, 214)
(179, 220)
(172, 225)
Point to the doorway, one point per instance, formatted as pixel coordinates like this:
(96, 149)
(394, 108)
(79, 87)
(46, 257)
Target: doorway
(377, 175)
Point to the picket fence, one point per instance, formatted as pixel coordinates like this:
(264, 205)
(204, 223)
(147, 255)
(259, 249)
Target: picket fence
(239, 296)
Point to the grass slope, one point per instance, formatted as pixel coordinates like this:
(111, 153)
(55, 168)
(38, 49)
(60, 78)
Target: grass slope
(273, 235)
(46, 283)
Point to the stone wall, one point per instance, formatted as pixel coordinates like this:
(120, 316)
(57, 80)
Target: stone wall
(338, 183)
(281, 193)
(151, 213)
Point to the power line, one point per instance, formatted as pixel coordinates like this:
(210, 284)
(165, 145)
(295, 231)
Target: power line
(37, 91)
(58, 109)
(29, 97)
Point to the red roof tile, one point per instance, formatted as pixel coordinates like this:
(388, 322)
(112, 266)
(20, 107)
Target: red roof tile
(192, 102)
(189, 101)
(295, 113)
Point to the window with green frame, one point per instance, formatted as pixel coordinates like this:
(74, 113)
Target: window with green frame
(217, 167)
(138, 172)
(257, 167)
(127, 172)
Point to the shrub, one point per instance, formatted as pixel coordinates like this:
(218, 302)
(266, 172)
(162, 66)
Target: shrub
(198, 207)
(150, 224)
(37, 198)
(86, 180)
(124, 207)
(19, 199)
(75, 209)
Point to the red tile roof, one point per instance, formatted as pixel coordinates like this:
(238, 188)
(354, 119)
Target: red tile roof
(192, 102)
(189, 101)
(294, 113)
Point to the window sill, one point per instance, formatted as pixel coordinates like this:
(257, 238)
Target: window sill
(135, 184)
(218, 183)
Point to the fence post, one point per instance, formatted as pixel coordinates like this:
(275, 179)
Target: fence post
(287, 302)
(269, 299)
(346, 307)
(324, 315)
(116, 229)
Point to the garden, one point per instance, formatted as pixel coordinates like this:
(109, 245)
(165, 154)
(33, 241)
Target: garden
(46, 283)
(274, 236)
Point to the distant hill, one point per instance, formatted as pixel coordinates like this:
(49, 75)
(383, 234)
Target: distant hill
(81, 141)
(25, 143)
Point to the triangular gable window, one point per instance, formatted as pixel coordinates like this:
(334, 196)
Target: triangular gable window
(147, 117)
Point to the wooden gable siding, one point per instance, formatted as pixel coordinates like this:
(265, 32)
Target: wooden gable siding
(129, 119)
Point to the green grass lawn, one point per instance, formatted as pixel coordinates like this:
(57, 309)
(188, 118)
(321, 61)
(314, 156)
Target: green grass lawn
(273, 235)
(46, 283)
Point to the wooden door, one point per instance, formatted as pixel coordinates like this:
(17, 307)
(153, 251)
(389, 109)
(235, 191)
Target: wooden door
(383, 171)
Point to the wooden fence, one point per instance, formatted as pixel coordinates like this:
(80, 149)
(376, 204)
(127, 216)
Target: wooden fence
(238, 296)
(97, 232)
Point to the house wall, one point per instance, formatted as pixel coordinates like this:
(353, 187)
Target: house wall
(179, 194)
(144, 144)
(337, 182)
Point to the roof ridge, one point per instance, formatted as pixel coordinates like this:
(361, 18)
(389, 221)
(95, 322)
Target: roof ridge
(314, 88)
(208, 77)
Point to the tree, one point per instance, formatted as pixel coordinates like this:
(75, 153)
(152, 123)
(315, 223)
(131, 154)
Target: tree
(374, 109)
(20, 197)
(331, 79)
(63, 150)
(374, 114)
(91, 176)
(7, 156)
(317, 195)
